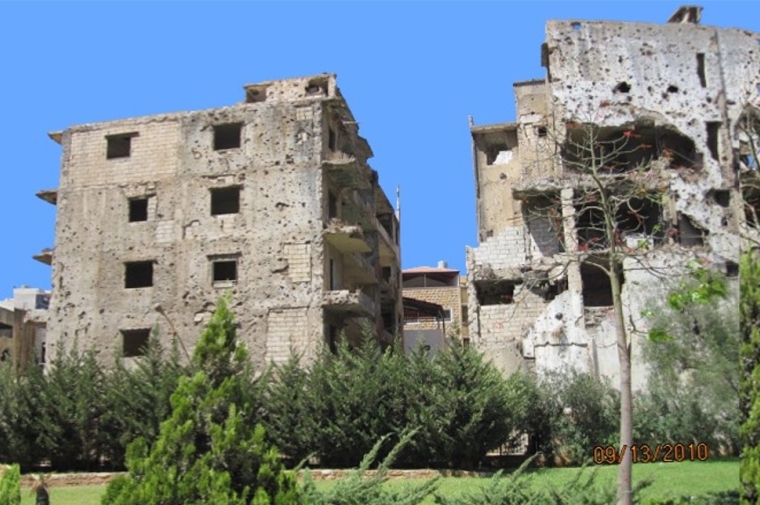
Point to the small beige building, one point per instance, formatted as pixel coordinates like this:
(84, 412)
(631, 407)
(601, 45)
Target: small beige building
(435, 306)
(23, 327)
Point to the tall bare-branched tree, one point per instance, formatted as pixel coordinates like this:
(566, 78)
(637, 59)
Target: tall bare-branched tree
(608, 203)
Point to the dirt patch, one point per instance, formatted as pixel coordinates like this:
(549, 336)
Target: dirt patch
(101, 479)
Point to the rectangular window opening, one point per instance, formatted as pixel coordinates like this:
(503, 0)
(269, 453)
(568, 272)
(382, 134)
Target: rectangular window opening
(332, 205)
(138, 274)
(134, 342)
(388, 320)
(701, 69)
(332, 141)
(227, 136)
(225, 200)
(713, 128)
(541, 131)
(119, 146)
(224, 271)
(495, 293)
(447, 315)
(138, 210)
(597, 288)
(386, 272)
(465, 315)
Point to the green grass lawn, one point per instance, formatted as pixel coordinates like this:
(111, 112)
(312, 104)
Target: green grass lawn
(670, 480)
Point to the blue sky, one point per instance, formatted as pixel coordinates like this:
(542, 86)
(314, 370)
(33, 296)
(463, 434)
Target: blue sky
(411, 72)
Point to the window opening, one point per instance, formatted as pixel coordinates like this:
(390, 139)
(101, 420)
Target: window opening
(225, 270)
(386, 272)
(119, 146)
(597, 288)
(138, 274)
(495, 293)
(331, 139)
(227, 136)
(225, 200)
(498, 154)
(713, 127)
(138, 210)
(332, 205)
(701, 69)
(134, 342)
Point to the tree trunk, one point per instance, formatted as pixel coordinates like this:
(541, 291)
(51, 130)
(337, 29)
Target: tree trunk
(624, 480)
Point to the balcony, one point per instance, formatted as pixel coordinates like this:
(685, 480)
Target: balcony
(360, 269)
(347, 172)
(348, 302)
(346, 238)
(45, 256)
(49, 195)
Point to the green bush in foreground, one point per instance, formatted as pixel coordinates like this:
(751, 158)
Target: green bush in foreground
(10, 490)
(459, 405)
(207, 452)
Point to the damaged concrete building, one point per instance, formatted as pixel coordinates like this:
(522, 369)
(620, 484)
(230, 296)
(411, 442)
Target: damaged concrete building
(675, 96)
(271, 200)
(23, 327)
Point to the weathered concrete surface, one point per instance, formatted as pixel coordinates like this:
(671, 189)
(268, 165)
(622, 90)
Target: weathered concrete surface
(683, 85)
(290, 187)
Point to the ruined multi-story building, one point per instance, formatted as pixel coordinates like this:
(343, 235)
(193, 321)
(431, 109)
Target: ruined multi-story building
(435, 306)
(271, 200)
(676, 95)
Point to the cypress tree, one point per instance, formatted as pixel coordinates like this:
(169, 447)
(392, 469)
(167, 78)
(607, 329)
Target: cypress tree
(207, 452)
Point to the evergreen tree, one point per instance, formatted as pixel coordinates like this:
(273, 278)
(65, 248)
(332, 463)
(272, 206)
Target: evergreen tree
(749, 389)
(207, 452)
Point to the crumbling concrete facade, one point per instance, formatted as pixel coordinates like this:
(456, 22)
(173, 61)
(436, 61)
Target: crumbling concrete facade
(675, 93)
(271, 200)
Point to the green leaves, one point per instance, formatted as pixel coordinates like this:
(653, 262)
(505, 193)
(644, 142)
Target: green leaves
(459, 405)
(749, 388)
(208, 450)
(10, 486)
(703, 286)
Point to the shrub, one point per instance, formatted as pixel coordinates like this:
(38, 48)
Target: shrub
(693, 360)
(459, 405)
(207, 451)
(749, 392)
(573, 412)
(10, 486)
(138, 398)
(358, 488)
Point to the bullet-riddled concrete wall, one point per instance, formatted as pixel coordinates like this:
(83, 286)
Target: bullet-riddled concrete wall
(275, 236)
(531, 304)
